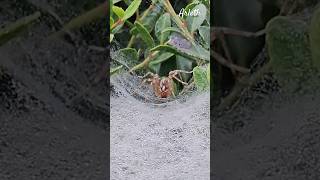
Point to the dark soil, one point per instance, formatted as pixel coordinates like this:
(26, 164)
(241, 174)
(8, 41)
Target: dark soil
(53, 119)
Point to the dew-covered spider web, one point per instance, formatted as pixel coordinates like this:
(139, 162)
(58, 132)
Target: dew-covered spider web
(153, 138)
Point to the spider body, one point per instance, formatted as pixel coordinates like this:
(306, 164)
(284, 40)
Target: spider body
(164, 87)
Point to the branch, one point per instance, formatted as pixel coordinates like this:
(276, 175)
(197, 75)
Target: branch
(234, 32)
(99, 12)
(12, 30)
(242, 84)
(228, 64)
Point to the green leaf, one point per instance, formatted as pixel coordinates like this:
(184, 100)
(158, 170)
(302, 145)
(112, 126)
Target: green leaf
(131, 9)
(129, 55)
(204, 32)
(111, 22)
(194, 22)
(111, 37)
(202, 53)
(115, 1)
(155, 68)
(163, 22)
(165, 48)
(188, 53)
(161, 58)
(151, 17)
(188, 8)
(118, 11)
(116, 29)
(172, 29)
(206, 2)
(146, 53)
(134, 31)
(144, 34)
(184, 64)
(200, 78)
(156, 63)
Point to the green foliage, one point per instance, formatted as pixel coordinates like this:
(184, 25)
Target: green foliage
(144, 34)
(163, 22)
(122, 15)
(201, 78)
(131, 9)
(156, 63)
(194, 22)
(12, 30)
(204, 32)
(129, 53)
(186, 64)
(169, 42)
(118, 11)
(315, 37)
(289, 52)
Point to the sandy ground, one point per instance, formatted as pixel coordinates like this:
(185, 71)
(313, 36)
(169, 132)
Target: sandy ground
(163, 142)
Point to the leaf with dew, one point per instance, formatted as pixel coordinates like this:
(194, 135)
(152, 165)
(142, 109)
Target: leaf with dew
(194, 22)
(144, 34)
(200, 78)
(163, 22)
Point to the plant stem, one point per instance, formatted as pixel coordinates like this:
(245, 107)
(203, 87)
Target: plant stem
(113, 71)
(12, 30)
(177, 20)
(132, 39)
(244, 83)
(146, 12)
(145, 62)
(119, 22)
(86, 18)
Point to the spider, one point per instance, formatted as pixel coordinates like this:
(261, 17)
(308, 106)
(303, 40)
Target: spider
(164, 87)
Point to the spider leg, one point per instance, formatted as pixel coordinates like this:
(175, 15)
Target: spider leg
(234, 32)
(184, 83)
(173, 74)
(148, 74)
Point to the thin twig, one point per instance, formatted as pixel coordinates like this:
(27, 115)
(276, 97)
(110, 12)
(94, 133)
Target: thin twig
(243, 84)
(226, 50)
(12, 30)
(97, 13)
(234, 32)
(228, 64)
(145, 62)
